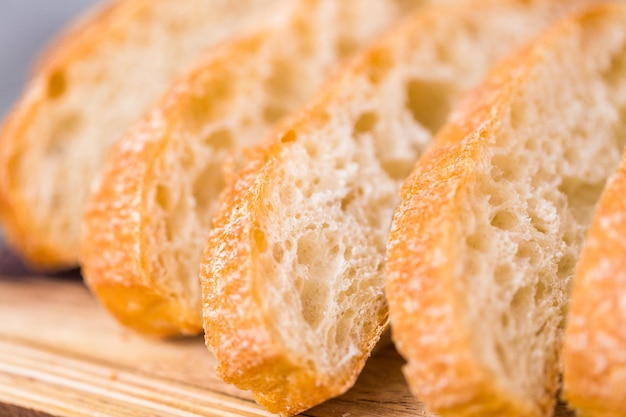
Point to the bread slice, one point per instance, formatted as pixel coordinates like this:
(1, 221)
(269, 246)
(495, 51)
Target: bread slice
(95, 80)
(484, 244)
(293, 271)
(594, 353)
(149, 218)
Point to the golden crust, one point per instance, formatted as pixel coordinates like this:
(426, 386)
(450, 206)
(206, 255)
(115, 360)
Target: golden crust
(594, 353)
(236, 329)
(239, 332)
(114, 266)
(23, 231)
(441, 369)
(115, 246)
(426, 313)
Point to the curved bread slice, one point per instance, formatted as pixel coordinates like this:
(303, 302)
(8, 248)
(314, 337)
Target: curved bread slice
(594, 353)
(293, 271)
(148, 220)
(484, 243)
(95, 80)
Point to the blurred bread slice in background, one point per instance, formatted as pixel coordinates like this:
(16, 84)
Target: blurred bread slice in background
(25, 28)
(484, 245)
(97, 77)
(292, 276)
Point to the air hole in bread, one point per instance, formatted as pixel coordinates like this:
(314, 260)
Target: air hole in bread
(503, 167)
(345, 46)
(541, 330)
(365, 123)
(523, 298)
(477, 242)
(581, 197)
(278, 253)
(207, 186)
(259, 239)
(518, 115)
(339, 164)
(427, 101)
(502, 357)
(505, 220)
(289, 136)
(284, 80)
(497, 198)
(381, 61)
(526, 250)
(538, 222)
(298, 284)
(540, 292)
(273, 113)
(615, 72)
(163, 197)
(347, 200)
(219, 139)
(314, 293)
(310, 247)
(503, 274)
(351, 273)
(621, 127)
(397, 169)
(57, 84)
(347, 253)
(505, 320)
(312, 149)
(64, 129)
(342, 329)
(202, 108)
(566, 266)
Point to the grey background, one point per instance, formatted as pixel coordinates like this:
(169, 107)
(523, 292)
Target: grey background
(26, 26)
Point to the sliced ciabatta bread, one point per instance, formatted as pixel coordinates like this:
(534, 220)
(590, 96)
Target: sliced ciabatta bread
(594, 354)
(293, 271)
(484, 244)
(149, 218)
(89, 86)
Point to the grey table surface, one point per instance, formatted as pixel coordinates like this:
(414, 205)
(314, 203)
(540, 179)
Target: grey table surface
(26, 26)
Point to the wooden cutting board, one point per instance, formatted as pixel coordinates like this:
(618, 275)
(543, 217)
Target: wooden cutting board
(62, 355)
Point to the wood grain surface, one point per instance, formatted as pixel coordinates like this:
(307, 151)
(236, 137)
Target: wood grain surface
(62, 355)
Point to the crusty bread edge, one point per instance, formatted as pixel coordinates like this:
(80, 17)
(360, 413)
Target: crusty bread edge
(594, 376)
(430, 197)
(113, 267)
(69, 47)
(113, 255)
(241, 335)
(228, 271)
